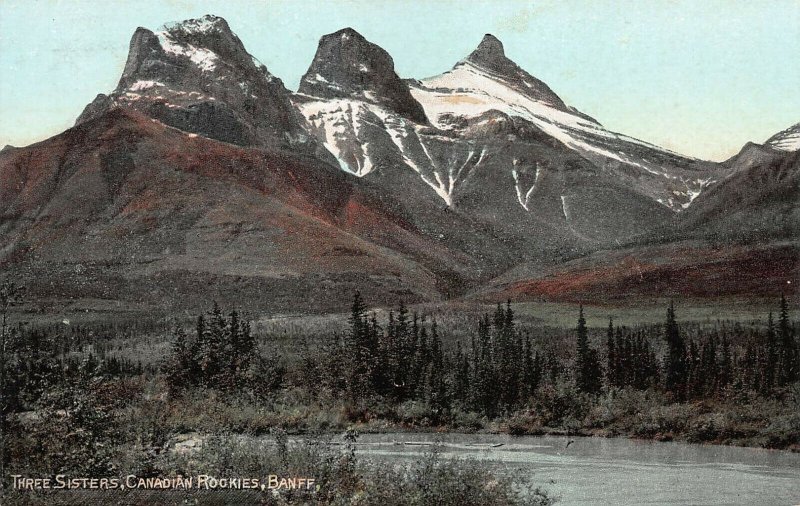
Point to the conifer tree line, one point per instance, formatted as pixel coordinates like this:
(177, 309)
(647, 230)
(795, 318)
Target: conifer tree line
(401, 360)
(704, 367)
(222, 353)
(497, 369)
(709, 367)
(405, 360)
(630, 359)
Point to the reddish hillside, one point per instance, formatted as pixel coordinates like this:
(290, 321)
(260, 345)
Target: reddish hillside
(124, 210)
(675, 270)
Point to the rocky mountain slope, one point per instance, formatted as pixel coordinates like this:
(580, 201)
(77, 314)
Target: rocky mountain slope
(488, 81)
(741, 237)
(197, 76)
(202, 173)
(759, 200)
(123, 211)
(491, 141)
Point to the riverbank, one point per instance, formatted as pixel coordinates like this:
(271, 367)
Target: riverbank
(135, 425)
(587, 471)
(749, 422)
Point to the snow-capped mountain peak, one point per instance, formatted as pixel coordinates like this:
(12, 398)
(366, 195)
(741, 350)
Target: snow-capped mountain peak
(204, 25)
(196, 75)
(484, 123)
(207, 41)
(786, 140)
(446, 127)
(490, 57)
(487, 81)
(347, 65)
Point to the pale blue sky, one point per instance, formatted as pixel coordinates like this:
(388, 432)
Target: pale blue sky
(701, 77)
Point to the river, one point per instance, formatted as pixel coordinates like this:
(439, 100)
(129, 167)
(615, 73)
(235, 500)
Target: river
(616, 471)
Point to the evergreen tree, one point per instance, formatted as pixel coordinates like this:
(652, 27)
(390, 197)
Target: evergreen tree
(11, 294)
(213, 358)
(725, 367)
(179, 368)
(221, 355)
(611, 356)
(694, 377)
(358, 359)
(460, 387)
(532, 370)
(587, 365)
(675, 361)
(400, 352)
(769, 359)
(436, 391)
(422, 358)
(246, 351)
(789, 369)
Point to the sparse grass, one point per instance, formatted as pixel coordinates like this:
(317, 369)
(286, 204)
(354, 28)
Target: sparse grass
(703, 312)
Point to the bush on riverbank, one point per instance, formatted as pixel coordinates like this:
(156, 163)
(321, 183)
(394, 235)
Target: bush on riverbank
(340, 476)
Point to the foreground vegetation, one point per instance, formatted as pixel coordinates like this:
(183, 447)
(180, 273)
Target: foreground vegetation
(108, 400)
(725, 383)
(340, 477)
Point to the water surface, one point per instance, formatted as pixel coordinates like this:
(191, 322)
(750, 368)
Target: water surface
(616, 471)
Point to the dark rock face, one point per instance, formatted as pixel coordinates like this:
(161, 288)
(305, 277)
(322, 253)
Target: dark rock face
(757, 202)
(146, 59)
(347, 65)
(490, 55)
(197, 76)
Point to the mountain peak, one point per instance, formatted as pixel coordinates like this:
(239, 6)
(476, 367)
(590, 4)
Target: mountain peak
(206, 24)
(196, 75)
(210, 33)
(489, 48)
(490, 56)
(347, 65)
(346, 34)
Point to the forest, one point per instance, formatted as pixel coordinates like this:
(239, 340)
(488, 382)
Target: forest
(104, 397)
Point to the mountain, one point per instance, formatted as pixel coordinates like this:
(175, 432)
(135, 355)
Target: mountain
(200, 176)
(124, 212)
(347, 65)
(488, 81)
(684, 270)
(758, 200)
(491, 57)
(197, 76)
(493, 143)
(740, 237)
(787, 140)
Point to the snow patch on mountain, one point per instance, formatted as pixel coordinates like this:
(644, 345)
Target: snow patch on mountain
(205, 59)
(524, 195)
(694, 191)
(203, 25)
(338, 123)
(470, 91)
(787, 140)
(144, 85)
(341, 123)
